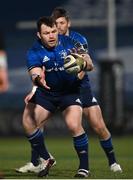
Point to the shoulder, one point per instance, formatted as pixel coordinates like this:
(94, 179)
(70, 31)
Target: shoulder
(77, 37)
(65, 40)
(36, 48)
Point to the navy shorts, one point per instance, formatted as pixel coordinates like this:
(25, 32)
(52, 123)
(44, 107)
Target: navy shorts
(52, 103)
(87, 98)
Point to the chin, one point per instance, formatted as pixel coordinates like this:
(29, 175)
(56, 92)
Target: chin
(52, 45)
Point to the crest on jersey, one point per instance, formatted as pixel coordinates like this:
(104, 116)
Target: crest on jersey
(63, 54)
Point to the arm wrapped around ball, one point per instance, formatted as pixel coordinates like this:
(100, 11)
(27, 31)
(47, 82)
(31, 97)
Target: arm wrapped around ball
(88, 66)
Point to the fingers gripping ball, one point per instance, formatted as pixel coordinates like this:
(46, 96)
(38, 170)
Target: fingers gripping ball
(73, 64)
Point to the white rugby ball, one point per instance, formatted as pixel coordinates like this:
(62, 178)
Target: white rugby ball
(71, 65)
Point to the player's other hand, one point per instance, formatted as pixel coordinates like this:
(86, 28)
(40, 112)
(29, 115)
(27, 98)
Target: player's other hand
(28, 97)
(40, 81)
(38, 77)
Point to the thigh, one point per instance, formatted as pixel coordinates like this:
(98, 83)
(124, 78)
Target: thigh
(73, 112)
(73, 119)
(34, 117)
(45, 100)
(95, 118)
(69, 100)
(94, 115)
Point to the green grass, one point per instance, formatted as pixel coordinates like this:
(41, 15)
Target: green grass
(15, 152)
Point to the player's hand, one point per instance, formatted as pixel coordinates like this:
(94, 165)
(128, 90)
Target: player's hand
(88, 64)
(40, 81)
(28, 97)
(76, 55)
(77, 51)
(74, 52)
(81, 74)
(38, 77)
(82, 60)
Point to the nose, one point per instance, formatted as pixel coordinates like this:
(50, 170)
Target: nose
(58, 25)
(51, 35)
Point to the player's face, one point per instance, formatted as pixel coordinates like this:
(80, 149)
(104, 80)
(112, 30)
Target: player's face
(63, 25)
(48, 35)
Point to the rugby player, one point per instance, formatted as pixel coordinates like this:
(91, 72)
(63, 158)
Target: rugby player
(45, 62)
(91, 108)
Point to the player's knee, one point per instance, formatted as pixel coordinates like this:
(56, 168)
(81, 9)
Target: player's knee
(74, 128)
(27, 121)
(102, 131)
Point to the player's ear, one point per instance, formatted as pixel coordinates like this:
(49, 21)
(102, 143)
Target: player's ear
(69, 24)
(38, 35)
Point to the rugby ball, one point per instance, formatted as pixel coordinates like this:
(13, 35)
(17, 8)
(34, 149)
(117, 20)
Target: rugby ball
(73, 65)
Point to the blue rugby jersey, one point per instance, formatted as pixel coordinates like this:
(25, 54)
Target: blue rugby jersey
(80, 41)
(53, 60)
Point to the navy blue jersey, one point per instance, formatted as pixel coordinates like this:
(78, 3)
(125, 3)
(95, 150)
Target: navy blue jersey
(87, 96)
(52, 59)
(80, 41)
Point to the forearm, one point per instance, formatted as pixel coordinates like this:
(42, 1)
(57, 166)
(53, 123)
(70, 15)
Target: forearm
(34, 89)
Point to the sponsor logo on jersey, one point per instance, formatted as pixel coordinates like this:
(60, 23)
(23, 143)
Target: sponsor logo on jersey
(94, 99)
(55, 69)
(78, 100)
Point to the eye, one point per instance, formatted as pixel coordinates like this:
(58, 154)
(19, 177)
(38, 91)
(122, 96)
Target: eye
(45, 33)
(54, 31)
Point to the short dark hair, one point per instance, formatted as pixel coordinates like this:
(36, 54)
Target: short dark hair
(59, 12)
(47, 20)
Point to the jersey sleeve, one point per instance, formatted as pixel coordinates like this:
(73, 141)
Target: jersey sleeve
(80, 42)
(33, 59)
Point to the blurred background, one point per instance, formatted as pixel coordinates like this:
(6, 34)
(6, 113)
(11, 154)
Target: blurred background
(108, 27)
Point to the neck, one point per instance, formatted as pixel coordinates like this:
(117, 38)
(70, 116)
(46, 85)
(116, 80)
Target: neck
(67, 33)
